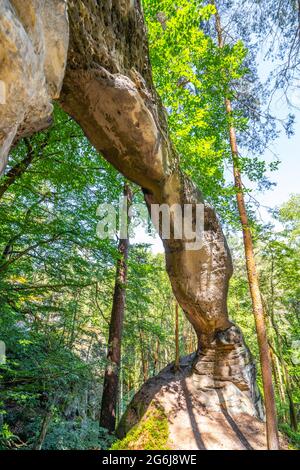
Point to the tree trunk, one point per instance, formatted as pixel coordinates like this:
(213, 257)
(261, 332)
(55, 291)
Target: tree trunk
(18, 170)
(288, 388)
(280, 379)
(156, 357)
(277, 376)
(282, 368)
(143, 357)
(44, 429)
(177, 358)
(292, 411)
(111, 378)
(108, 89)
(257, 305)
(112, 97)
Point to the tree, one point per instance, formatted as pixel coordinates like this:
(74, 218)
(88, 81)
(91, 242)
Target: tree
(258, 310)
(143, 156)
(111, 378)
(282, 254)
(108, 89)
(277, 253)
(177, 357)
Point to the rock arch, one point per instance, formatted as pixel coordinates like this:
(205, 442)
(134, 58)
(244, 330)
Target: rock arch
(93, 57)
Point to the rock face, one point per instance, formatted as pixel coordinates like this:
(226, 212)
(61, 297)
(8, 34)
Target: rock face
(34, 40)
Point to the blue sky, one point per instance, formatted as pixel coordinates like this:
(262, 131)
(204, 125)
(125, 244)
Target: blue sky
(287, 178)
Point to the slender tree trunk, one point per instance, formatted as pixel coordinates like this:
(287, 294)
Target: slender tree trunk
(177, 358)
(280, 359)
(280, 379)
(293, 414)
(108, 90)
(121, 394)
(272, 434)
(258, 310)
(113, 99)
(111, 378)
(277, 376)
(292, 410)
(44, 429)
(288, 388)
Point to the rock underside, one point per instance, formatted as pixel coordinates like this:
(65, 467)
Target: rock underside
(34, 38)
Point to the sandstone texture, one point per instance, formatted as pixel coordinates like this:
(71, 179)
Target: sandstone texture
(201, 414)
(34, 36)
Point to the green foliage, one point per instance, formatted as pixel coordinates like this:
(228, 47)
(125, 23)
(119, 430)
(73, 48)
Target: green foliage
(193, 76)
(278, 255)
(57, 277)
(151, 433)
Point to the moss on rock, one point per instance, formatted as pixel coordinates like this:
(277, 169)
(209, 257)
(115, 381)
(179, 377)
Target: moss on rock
(151, 433)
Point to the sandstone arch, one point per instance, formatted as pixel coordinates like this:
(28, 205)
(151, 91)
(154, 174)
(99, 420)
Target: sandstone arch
(92, 56)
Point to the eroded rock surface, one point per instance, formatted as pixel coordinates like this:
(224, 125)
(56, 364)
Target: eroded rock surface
(34, 36)
(204, 411)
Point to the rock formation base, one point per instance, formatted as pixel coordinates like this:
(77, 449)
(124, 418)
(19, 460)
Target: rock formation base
(208, 404)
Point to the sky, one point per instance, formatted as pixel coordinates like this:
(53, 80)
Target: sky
(287, 177)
